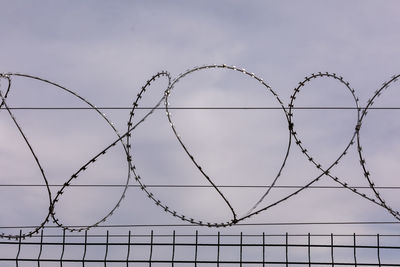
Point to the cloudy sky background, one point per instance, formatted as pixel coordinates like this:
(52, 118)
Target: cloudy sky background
(105, 52)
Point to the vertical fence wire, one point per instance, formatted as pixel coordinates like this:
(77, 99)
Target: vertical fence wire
(241, 248)
(332, 257)
(84, 249)
(378, 251)
(309, 249)
(128, 249)
(106, 251)
(196, 248)
(355, 250)
(173, 248)
(263, 249)
(218, 248)
(19, 248)
(40, 248)
(151, 248)
(287, 250)
(63, 249)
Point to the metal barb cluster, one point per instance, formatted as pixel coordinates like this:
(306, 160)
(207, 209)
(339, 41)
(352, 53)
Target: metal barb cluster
(125, 140)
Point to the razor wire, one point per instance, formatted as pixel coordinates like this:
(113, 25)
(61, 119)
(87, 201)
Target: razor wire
(125, 138)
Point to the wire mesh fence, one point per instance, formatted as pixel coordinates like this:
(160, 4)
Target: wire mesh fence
(84, 249)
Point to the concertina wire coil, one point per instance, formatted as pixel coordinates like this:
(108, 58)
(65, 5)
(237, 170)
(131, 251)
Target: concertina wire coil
(124, 139)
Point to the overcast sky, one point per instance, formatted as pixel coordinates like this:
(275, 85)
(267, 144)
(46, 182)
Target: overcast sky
(105, 51)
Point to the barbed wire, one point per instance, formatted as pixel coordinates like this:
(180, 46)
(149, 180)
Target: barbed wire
(124, 140)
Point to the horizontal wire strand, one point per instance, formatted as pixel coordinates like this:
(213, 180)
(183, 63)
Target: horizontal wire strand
(199, 186)
(201, 108)
(235, 225)
(187, 244)
(75, 235)
(224, 262)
